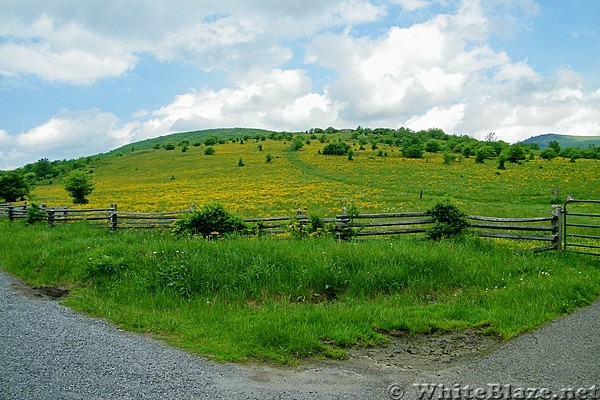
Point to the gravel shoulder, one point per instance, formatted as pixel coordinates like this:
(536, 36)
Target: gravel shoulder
(47, 351)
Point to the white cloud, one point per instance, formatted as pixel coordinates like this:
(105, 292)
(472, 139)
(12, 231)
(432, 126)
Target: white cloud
(281, 99)
(68, 134)
(440, 72)
(80, 43)
(412, 5)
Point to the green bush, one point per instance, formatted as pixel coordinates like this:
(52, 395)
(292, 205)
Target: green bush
(449, 220)
(209, 151)
(35, 214)
(336, 149)
(212, 221)
(297, 144)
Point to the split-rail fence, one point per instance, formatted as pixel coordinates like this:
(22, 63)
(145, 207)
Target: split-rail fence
(546, 229)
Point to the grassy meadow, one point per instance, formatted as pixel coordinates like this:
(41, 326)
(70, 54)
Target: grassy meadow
(160, 180)
(283, 300)
(242, 299)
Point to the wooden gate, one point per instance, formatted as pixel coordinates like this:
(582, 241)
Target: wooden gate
(581, 226)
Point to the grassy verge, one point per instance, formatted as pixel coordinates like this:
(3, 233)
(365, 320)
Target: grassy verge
(282, 300)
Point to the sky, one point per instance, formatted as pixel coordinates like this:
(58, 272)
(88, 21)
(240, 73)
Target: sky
(79, 78)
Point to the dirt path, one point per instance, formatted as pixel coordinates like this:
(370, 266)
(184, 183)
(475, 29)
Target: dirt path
(49, 352)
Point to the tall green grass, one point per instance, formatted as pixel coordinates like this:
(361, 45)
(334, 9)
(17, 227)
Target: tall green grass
(281, 300)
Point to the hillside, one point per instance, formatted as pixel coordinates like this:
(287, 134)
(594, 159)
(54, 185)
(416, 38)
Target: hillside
(256, 173)
(565, 141)
(192, 137)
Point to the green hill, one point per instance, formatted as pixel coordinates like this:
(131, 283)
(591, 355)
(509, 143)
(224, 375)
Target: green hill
(565, 141)
(262, 173)
(193, 137)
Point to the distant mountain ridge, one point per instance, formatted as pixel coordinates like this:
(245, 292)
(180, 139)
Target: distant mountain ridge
(565, 141)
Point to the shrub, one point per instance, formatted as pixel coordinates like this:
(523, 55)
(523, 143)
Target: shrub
(35, 214)
(449, 220)
(297, 144)
(336, 149)
(169, 146)
(412, 151)
(212, 221)
(315, 227)
(209, 151)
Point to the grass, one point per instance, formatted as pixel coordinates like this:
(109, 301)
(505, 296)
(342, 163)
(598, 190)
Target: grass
(244, 299)
(161, 180)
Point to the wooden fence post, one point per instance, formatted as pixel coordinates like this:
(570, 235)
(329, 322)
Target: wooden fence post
(11, 213)
(557, 226)
(51, 217)
(113, 218)
(341, 226)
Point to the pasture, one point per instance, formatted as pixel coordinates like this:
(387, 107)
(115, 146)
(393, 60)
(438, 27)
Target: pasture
(284, 300)
(162, 180)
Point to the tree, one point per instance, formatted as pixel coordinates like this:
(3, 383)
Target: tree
(13, 186)
(432, 146)
(554, 145)
(79, 185)
(515, 153)
(490, 137)
(44, 169)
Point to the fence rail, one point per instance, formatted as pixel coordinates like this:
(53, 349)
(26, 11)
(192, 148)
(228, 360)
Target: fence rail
(544, 229)
(581, 236)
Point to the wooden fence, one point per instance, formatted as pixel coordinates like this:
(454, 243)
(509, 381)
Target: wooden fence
(539, 229)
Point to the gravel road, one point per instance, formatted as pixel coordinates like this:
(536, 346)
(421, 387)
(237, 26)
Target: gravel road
(49, 352)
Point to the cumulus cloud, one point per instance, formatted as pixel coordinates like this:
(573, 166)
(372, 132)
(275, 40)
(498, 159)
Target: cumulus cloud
(68, 134)
(80, 43)
(281, 99)
(288, 65)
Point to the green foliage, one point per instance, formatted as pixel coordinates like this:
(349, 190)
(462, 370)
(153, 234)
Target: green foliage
(209, 151)
(211, 141)
(548, 154)
(515, 153)
(336, 149)
(44, 169)
(554, 145)
(501, 162)
(315, 227)
(103, 268)
(268, 158)
(448, 158)
(449, 220)
(212, 221)
(432, 146)
(79, 185)
(241, 162)
(412, 151)
(175, 275)
(267, 299)
(297, 144)
(35, 214)
(169, 146)
(13, 186)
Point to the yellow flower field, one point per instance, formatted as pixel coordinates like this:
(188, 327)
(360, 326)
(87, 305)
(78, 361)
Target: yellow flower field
(161, 180)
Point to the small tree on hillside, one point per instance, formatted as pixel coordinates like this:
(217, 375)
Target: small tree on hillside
(13, 186)
(79, 185)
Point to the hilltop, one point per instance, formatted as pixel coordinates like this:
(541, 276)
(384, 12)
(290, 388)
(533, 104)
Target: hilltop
(565, 141)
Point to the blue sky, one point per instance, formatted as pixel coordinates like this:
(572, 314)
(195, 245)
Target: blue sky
(79, 78)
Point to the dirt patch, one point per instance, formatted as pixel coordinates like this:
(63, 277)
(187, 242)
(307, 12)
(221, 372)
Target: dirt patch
(426, 352)
(39, 292)
(405, 357)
